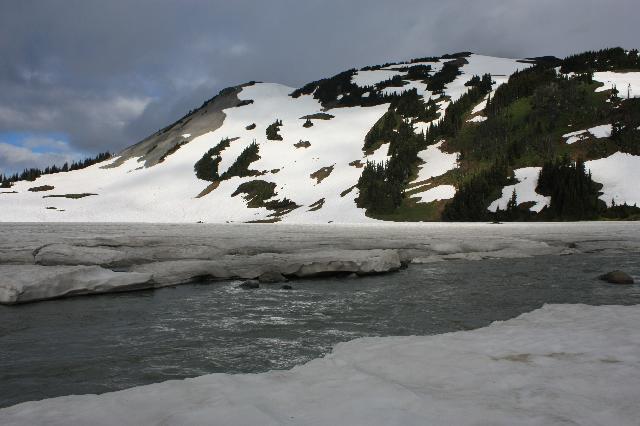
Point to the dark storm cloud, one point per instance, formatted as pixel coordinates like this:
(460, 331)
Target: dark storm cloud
(106, 73)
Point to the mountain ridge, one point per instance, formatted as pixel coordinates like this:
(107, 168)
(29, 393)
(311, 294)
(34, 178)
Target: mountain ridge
(428, 139)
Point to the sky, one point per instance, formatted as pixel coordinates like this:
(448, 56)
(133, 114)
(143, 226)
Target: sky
(78, 77)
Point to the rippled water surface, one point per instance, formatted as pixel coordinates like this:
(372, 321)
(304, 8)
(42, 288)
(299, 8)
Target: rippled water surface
(104, 343)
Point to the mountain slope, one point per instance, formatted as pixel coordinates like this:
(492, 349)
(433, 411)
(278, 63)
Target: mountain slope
(313, 144)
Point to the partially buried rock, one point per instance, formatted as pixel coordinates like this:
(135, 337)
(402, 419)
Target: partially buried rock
(249, 284)
(271, 277)
(617, 277)
(286, 287)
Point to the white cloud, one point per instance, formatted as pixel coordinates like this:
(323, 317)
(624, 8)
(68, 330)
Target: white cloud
(17, 158)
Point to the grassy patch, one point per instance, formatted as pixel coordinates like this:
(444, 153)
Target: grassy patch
(209, 189)
(321, 174)
(71, 196)
(302, 144)
(318, 116)
(256, 192)
(41, 188)
(317, 205)
(412, 211)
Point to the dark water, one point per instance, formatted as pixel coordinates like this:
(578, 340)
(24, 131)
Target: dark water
(105, 343)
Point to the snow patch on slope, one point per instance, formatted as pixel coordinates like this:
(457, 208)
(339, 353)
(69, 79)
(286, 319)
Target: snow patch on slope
(525, 191)
(623, 81)
(477, 119)
(436, 161)
(440, 192)
(620, 176)
(603, 131)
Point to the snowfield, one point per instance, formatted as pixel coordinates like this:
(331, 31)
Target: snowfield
(560, 364)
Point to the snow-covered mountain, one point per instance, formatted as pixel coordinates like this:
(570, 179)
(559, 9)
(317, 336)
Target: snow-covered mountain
(308, 168)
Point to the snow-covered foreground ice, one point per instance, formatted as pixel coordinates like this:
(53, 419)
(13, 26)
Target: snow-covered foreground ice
(561, 364)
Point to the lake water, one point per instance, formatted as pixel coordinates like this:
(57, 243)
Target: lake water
(110, 342)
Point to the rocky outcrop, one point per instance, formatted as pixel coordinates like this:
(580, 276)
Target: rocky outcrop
(209, 117)
(617, 277)
(271, 277)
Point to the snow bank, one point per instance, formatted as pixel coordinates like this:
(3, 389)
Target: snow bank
(477, 119)
(440, 192)
(602, 131)
(27, 283)
(436, 162)
(619, 174)
(525, 191)
(561, 364)
(623, 81)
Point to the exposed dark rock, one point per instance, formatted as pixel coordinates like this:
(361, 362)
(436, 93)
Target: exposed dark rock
(271, 277)
(617, 277)
(250, 284)
(302, 144)
(286, 287)
(209, 117)
(318, 116)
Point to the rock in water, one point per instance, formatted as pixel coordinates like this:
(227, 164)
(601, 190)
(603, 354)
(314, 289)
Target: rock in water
(617, 277)
(271, 277)
(286, 287)
(250, 284)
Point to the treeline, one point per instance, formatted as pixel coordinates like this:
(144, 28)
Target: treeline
(449, 71)
(33, 173)
(526, 115)
(626, 126)
(382, 186)
(206, 168)
(574, 195)
(403, 108)
(475, 194)
(240, 167)
(273, 130)
(521, 84)
(457, 111)
(601, 60)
